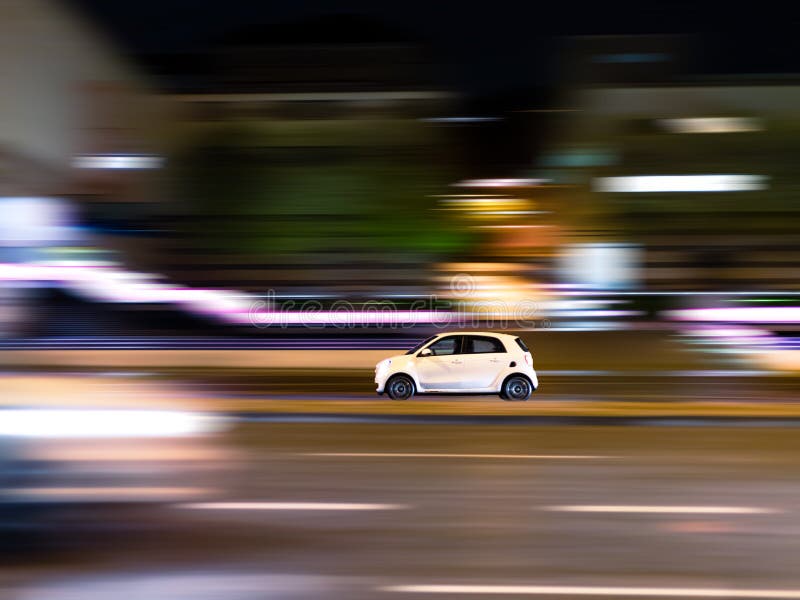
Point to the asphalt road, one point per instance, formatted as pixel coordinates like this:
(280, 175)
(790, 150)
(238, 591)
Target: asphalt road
(451, 511)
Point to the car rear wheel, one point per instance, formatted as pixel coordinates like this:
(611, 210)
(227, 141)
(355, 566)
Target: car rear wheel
(400, 387)
(516, 388)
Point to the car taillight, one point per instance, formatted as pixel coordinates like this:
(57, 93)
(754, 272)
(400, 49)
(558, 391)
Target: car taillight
(528, 359)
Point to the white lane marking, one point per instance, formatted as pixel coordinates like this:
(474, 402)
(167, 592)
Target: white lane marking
(574, 590)
(449, 455)
(290, 506)
(705, 510)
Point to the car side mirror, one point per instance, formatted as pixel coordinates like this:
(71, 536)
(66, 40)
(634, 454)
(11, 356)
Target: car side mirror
(425, 352)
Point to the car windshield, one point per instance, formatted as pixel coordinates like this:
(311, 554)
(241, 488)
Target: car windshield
(421, 344)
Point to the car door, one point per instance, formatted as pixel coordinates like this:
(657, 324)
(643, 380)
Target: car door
(444, 368)
(485, 358)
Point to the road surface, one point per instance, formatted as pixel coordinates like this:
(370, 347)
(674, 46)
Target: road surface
(413, 511)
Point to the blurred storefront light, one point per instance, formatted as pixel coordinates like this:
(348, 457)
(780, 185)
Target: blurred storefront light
(476, 200)
(712, 125)
(748, 314)
(601, 265)
(117, 161)
(36, 222)
(680, 183)
(510, 212)
(485, 206)
(508, 182)
(511, 226)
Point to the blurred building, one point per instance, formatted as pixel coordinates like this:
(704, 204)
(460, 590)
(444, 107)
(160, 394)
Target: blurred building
(302, 160)
(80, 131)
(70, 104)
(696, 168)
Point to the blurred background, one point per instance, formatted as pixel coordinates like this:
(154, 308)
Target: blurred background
(217, 217)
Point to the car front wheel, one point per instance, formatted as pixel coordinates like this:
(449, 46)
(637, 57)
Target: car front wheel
(400, 387)
(516, 388)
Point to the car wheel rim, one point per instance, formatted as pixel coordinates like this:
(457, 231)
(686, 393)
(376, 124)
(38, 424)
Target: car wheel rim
(518, 388)
(401, 388)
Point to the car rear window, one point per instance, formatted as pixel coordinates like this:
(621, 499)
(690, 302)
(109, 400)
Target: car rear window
(483, 345)
(522, 345)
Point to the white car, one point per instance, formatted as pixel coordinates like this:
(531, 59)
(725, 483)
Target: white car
(464, 363)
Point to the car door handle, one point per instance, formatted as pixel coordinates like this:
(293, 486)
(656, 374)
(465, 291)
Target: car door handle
(494, 360)
(457, 361)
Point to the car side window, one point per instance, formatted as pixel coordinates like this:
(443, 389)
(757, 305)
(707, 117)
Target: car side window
(483, 345)
(445, 346)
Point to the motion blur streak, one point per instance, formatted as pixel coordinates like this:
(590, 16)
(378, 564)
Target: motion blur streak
(442, 455)
(101, 494)
(712, 125)
(221, 220)
(120, 161)
(680, 183)
(76, 423)
(702, 510)
(557, 590)
(290, 506)
(750, 314)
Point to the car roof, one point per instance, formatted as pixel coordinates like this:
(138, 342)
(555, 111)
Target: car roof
(486, 333)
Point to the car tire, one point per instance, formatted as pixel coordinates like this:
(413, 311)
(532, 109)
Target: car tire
(517, 388)
(400, 387)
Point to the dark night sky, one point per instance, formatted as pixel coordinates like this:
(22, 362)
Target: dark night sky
(487, 46)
